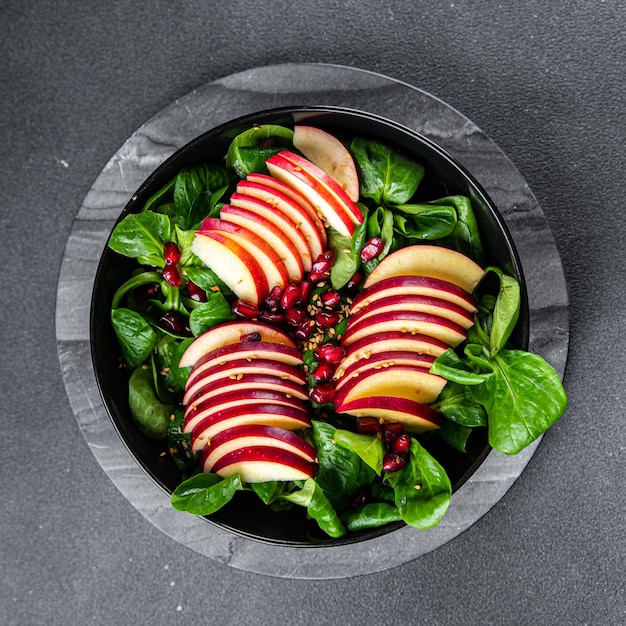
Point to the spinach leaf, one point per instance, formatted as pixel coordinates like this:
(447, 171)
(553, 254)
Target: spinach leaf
(505, 312)
(422, 488)
(179, 442)
(346, 251)
(455, 435)
(318, 506)
(262, 134)
(155, 198)
(523, 398)
(204, 493)
(143, 278)
(210, 313)
(142, 236)
(149, 413)
(455, 369)
(386, 175)
(368, 447)
(380, 224)
(136, 336)
(455, 403)
(423, 222)
(205, 277)
(252, 159)
(371, 515)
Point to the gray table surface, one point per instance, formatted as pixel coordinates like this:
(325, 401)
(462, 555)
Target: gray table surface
(545, 82)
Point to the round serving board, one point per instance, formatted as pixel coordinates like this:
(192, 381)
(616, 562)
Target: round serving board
(221, 101)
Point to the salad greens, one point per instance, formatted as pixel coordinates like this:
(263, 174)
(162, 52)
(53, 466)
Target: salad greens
(514, 395)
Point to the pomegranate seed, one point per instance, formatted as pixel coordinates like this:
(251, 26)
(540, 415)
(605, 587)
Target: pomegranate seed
(360, 497)
(295, 316)
(324, 262)
(148, 291)
(372, 249)
(367, 425)
(393, 462)
(354, 282)
(322, 373)
(330, 299)
(318, 277)
(171, 322)
(253, 337)
(323, 393)
(290, 296)
(244, 310)
(272, 301)
(392, 431)
(276, 318)
(402, 444)
(171, 275)
(196, 293)
(306, 287)
(326, 319)
(330, 353)
(171, 253)
(305, 330)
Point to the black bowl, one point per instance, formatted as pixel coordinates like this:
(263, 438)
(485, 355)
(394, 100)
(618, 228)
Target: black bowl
(246, 515)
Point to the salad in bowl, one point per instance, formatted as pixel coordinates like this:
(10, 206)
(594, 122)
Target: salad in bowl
(310, 326)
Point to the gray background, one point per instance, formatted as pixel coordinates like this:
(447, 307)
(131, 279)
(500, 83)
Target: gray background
(545, 82)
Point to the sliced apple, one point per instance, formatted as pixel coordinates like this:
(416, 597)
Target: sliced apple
(408, 322)
(281, 220)
(403, 381)
(281, 416)
(428, 260)
(254, 435)
(416, 417)
(330, 155)
(274, 236)
(414, 286)
(264, 463)
(287, 206)
(238, 368)
(329, 209)
(418, 304)
(233, 332)
(233, 264)
(295, 196)
(267, 258)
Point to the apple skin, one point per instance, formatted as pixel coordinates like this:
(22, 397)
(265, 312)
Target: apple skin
(264, 463)
(414, 416)
(404, 381)
(391, 341)
(419, 304)
(330, 210)
(428, 260)
(379, 361)
(281, 220)
(267, 258)
(293, 194)
(250, 435)
(233, 264)
(274, 236)
(330, 155)
(213, 422)
(406, 321)
(414, 286)
(240, 367)
(289, 207)
(232, 332)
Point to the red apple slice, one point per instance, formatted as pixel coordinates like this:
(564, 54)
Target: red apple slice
(281, 416)
(254, 435)
(428, 260)
(408, 322)
(242, 381)
(414, 416)
(267, 258)
(418, 304)
(326, 205)
(233, 332)
(239, 367)
(274, 236)
(281, 220)
(259, 464)
(233, 264)
(403, 381)
(414, 286)
(330, 155)
(293, 194)
(296, 213)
